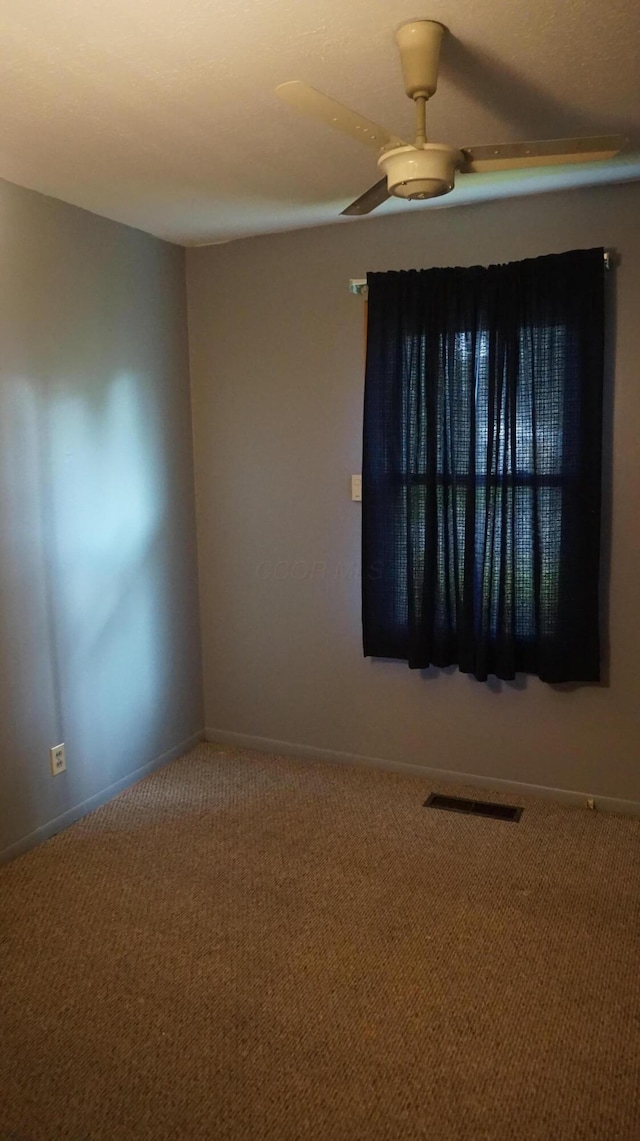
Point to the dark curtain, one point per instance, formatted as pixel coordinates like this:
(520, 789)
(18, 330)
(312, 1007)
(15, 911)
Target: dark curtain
(482, 467)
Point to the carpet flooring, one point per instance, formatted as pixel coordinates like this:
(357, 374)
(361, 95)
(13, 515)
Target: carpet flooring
(253, 948)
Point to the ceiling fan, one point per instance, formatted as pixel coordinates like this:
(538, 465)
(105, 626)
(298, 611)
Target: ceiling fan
(423, 169)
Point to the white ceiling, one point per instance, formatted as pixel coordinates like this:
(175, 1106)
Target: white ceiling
(162, 113)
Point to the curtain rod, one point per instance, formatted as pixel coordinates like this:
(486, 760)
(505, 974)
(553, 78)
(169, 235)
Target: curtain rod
(359, 284)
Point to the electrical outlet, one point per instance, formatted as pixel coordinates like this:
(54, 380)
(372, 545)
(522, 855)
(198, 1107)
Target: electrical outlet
(591, 804)
(58, 759)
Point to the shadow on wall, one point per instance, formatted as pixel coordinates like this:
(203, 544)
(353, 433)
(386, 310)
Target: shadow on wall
(84, 623)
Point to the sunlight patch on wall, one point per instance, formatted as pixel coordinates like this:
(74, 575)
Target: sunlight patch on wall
(106, 495)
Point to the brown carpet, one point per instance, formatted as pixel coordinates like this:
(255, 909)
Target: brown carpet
(247, 947)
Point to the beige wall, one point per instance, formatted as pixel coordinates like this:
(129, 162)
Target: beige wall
(277, 375)
(99, 636)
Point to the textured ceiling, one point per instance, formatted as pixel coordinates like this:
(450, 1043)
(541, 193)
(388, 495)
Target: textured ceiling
(162, 113)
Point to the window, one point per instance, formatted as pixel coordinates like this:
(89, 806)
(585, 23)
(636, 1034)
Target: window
(481, 471)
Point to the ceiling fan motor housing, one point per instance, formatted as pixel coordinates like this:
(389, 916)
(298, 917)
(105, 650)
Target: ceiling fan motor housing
(425, 172)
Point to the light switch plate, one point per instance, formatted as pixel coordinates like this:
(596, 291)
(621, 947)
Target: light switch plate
(356, 488)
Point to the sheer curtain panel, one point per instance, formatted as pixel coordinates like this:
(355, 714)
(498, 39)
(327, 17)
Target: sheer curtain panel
(482, 467)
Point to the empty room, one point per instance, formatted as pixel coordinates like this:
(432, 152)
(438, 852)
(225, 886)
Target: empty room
(319, 571)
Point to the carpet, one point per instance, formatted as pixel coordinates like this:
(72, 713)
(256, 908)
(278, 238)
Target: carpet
(246, 947)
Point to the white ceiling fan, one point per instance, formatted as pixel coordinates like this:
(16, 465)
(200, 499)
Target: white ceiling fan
(423, 169)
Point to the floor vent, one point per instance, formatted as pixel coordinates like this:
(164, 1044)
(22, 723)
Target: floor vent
(474, 807)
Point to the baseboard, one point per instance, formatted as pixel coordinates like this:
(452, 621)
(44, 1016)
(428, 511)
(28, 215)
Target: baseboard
(79, 810)
(446, 776)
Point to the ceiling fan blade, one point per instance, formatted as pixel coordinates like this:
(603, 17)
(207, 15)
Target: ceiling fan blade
(311, 102)
(552, 152)
(370, 200)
